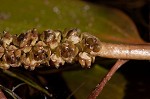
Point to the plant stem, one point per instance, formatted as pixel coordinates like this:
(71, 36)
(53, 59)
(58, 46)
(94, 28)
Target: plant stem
(2, 96)
(32, 49)
(108, 76)
(124, 51)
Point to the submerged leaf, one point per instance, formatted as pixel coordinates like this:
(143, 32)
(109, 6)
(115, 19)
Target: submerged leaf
(83, 81)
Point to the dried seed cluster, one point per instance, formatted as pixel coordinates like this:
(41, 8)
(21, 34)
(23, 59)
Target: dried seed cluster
(31, 49)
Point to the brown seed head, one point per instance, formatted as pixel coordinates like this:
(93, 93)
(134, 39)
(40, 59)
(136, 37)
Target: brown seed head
(32, 49)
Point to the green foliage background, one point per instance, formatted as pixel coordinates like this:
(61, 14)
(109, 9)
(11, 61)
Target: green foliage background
(108, 24)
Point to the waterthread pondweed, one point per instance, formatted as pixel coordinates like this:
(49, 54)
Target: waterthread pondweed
(54, 48)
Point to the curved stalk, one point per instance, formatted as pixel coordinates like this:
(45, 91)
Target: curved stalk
(124, 51)
(107, 77)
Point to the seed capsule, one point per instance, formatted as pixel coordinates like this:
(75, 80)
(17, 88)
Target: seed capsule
(15, 41)
(10, 57)
(22, 39)
(85, 59)
(41, 52)
(68, 51)
(4, 65)
(17, 53)
(90, 43)
(51, 38)
(1, 51)
(29, 62)
(57, 60)
(7, 39)
(34, 37)
(72, 35)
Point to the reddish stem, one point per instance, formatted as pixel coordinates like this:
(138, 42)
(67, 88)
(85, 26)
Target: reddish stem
(2, 96)
(101, 85)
